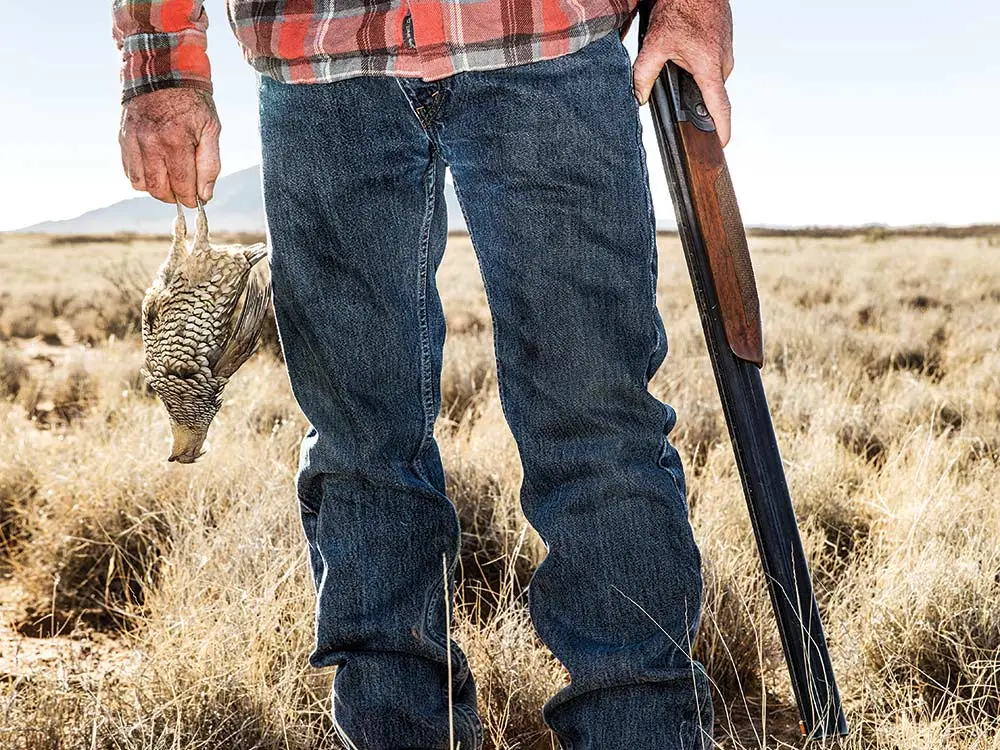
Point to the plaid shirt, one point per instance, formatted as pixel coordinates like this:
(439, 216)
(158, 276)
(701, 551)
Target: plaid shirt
(317, 41)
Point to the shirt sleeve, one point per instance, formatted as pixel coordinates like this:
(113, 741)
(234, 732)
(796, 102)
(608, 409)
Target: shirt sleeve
(163, 45)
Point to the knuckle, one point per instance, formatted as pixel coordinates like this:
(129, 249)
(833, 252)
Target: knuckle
(149, 144)
(141, 128)
(709, 54)
(707, 68)
(175, 140)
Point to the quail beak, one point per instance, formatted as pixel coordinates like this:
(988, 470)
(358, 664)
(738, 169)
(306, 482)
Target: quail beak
(187, 444)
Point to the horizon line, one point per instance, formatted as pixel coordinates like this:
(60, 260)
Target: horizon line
(879, 230)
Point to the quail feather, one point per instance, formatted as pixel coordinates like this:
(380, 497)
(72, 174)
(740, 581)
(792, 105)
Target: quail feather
(201, 320)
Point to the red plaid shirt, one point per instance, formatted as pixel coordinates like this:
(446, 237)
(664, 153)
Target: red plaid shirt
(317, 41)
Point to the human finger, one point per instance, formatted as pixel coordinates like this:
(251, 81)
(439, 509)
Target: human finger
(207, 165)
(181, 173)
(156, 177)
(648, 64)
(713, 90)
(132, 161)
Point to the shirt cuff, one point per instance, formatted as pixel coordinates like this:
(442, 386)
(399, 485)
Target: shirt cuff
(151, 62)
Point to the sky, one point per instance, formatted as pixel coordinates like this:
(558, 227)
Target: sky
(846, 112)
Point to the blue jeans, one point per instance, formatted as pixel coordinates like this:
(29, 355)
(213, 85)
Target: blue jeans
(550, 171)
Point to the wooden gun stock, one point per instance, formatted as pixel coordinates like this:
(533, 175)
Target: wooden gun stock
(725, 240)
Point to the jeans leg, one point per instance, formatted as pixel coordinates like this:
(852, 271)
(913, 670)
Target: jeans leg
(550, 169)
(355, 211)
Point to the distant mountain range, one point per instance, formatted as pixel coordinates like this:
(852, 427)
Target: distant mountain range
(236, 207)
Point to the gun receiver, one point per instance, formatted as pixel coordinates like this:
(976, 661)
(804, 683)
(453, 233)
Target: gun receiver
(718, 259)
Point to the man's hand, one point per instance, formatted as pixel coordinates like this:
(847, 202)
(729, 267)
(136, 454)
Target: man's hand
(698, 36)
(170, 144)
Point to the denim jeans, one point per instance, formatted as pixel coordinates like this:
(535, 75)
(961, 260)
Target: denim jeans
(550, 171)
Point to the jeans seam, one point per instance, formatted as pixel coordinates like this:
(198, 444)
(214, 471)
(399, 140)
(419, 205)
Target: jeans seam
(650, 213)
(423, 262)
(650, 226)
(426, 387)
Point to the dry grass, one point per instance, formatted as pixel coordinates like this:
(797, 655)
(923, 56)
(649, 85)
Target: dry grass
(184, 593)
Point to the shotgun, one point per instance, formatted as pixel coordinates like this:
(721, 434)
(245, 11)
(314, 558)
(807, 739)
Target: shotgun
(718, 260)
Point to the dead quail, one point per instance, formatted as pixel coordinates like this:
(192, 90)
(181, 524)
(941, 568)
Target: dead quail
(201, 320)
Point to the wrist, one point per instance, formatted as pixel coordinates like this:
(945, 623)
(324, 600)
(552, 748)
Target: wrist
(167, 84)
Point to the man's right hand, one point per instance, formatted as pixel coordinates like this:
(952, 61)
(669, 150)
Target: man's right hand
(170, 144)
(698, 36)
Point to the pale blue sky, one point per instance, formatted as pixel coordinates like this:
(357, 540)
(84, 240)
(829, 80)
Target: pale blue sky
(845, 112)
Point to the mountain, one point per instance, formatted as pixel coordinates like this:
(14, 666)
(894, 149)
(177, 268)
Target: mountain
(236, 207)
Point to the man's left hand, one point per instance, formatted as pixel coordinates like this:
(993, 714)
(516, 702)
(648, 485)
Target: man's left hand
(698, 36)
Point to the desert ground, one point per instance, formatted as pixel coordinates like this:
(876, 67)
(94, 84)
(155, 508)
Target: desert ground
(153, 606)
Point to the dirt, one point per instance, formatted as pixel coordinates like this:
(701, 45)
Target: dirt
(81, 652)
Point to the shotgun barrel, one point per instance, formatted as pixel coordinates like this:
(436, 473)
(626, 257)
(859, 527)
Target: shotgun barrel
(718, 259)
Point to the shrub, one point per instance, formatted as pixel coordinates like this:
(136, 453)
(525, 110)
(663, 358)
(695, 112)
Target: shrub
(13, 373)
(92, 556)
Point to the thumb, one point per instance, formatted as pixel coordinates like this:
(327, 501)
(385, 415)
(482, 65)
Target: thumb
(713, 90)
(648, 64)
(207, 164)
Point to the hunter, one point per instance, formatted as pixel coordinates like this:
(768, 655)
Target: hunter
(534, 107)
